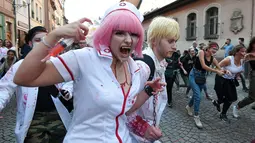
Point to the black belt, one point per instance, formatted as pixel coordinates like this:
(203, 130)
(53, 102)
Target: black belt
(200, 70)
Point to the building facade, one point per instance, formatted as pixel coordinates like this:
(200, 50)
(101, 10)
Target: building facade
(7, 20)
(37, 13)
(55, 16)
(209, 20)
(21, 10)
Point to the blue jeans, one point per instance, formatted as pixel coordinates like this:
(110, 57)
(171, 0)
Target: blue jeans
(196, 88)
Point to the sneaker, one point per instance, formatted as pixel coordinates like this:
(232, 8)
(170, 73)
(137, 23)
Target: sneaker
(157, 141)
(246, 90)
(224, 117)
(198, 122)
(187, 95)
(170, 105)
(215, 103)
(189, 110)
(235, 111)
(209, 97)
(253, 107)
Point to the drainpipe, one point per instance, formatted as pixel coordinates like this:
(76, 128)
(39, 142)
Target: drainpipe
(15, 20)
(252, 17)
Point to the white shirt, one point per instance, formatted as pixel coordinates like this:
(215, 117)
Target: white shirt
(3, 52)
(13, 48)
(26, 102)
(99, 103)
(146, 111)
(232, 68)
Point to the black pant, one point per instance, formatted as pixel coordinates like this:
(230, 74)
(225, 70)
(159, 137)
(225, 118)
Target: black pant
(226, 92)
(169, 87)
(243, 81)
(226, 105)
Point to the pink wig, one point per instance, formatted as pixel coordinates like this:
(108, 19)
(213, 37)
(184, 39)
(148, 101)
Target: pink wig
(123, 20)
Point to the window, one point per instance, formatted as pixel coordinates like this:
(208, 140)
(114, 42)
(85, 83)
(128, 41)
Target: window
(211, 26)
(32, 8)
(57, 21)
(36, 12)
(8, 27)
(145, 35)
(24, 6)
(40, 16)
(191, 27)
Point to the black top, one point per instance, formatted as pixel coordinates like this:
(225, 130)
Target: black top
(252, 63)
(25, 50)
(198, 65)
(44, 102)
(188, 63)
(173, 65)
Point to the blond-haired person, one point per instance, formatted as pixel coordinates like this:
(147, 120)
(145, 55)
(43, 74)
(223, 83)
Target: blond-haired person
(162, 36)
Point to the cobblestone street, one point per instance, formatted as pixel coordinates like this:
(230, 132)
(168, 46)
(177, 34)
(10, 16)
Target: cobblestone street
(176, 125)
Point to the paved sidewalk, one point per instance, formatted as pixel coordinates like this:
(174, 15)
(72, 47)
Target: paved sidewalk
(7, 123)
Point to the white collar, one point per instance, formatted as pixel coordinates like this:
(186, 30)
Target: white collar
(160, 66)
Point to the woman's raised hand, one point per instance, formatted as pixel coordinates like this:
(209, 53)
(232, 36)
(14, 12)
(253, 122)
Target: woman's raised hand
(75, 30)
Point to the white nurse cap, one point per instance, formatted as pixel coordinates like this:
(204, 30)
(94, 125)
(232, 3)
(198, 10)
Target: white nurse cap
(124, 6)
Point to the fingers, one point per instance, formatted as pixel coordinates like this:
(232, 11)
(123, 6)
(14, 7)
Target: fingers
(85, 20)
(162, 83)
(154, 133)
(67, 95)
(85, 30)
(157, 79)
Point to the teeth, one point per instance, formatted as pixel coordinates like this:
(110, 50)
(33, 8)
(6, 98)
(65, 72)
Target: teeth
(128, 49)
(125, 47)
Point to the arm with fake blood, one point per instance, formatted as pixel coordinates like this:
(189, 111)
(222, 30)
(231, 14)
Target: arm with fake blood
(142, 97)
(140, 127)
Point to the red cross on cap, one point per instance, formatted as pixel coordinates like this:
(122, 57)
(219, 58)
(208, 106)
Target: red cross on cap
(122, 4)
(107, 50)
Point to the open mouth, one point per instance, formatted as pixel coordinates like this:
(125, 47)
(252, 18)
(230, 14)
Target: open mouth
(125, 50)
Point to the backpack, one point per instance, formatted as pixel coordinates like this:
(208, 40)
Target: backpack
(149, 61)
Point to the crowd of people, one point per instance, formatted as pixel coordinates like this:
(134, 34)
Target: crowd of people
(106, 88)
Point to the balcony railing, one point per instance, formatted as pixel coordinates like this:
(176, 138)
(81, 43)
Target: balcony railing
(211, 31)
(33, 14)
(191, 33)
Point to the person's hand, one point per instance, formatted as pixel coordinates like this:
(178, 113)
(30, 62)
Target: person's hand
(75, 30)
(185, 72)
(220, 72)
(249, 56)
(156, 85)
(152, 133)
(227, 72)
(180, 64)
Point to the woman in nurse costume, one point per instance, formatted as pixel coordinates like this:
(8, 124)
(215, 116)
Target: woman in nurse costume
(107, 80)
